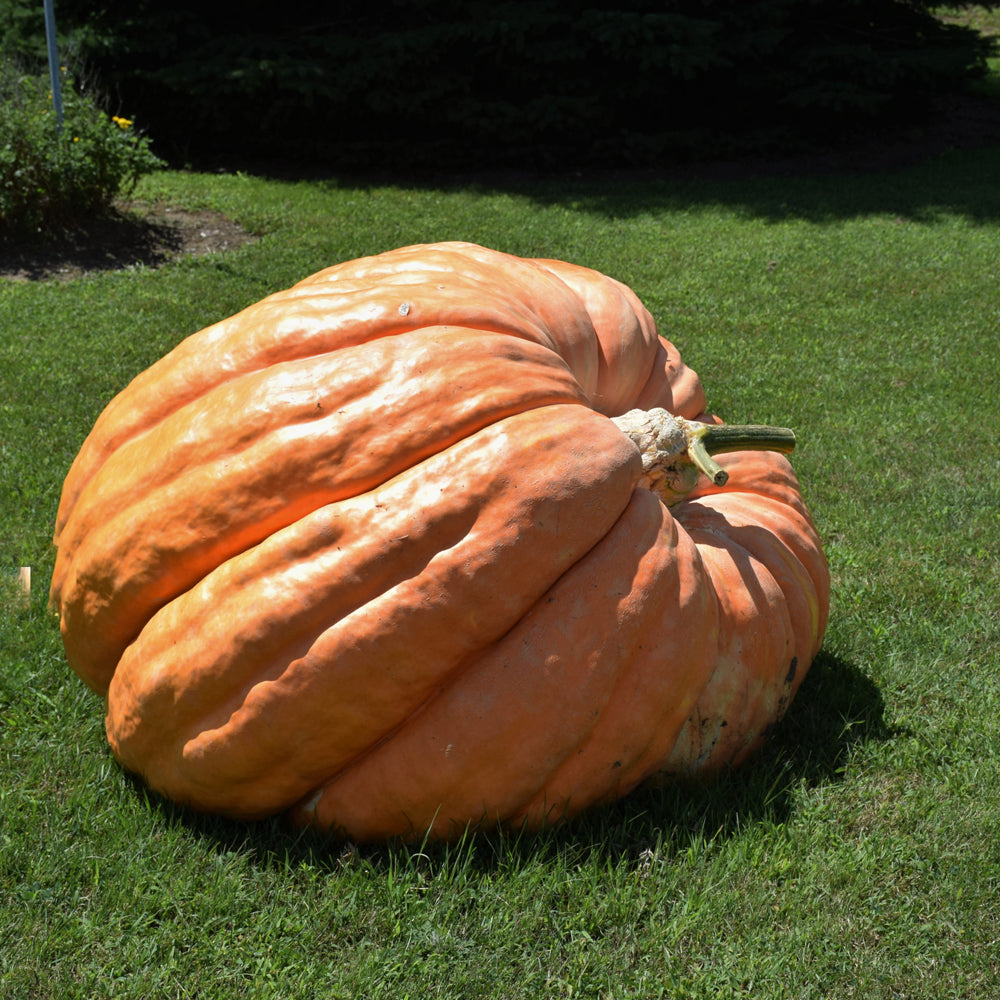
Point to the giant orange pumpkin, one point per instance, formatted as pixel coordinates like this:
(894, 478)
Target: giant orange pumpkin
(372, 551)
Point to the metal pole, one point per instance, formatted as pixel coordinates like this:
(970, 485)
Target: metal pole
(55, 77)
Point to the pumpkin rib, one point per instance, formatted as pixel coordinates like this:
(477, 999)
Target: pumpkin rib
(653, 698)
(493, 726)
(504, 546)
(657, 376)
(159, 530)
(292, 326)
(756, 473)
(765, 622)
(798, 602)
(626, 334)
(672, 386)
(782, 538)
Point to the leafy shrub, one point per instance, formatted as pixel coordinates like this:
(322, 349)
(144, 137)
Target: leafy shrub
(51, 177)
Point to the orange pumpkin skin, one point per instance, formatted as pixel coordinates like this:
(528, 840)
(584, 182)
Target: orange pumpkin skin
(371, 552)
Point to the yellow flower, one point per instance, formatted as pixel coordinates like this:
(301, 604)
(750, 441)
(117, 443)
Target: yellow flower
(121, 122)
(76, 138)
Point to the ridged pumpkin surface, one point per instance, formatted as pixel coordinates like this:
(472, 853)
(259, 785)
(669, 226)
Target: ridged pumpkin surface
(371, 551)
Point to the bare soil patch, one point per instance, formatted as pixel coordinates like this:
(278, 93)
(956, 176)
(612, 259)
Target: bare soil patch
(130, 236)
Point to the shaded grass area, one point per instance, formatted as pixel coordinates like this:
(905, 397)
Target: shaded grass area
(855, 856)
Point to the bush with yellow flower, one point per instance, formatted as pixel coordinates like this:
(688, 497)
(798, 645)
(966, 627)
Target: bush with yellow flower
(54, 175)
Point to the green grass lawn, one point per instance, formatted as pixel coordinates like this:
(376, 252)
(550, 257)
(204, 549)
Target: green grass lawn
(856, 856)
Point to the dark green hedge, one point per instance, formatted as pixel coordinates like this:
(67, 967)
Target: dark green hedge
(535, 83)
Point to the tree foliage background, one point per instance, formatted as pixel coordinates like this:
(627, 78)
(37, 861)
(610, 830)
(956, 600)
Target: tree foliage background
(414, 84)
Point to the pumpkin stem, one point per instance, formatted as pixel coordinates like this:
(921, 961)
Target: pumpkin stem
(675, 450)
(706, 440)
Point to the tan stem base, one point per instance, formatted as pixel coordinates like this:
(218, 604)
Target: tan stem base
(675, 451)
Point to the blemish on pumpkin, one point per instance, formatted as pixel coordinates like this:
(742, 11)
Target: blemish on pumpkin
(404, 309)
(617, 763)
(790, 676)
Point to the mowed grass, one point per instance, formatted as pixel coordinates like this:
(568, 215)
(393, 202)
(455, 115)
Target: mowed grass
(856, 856)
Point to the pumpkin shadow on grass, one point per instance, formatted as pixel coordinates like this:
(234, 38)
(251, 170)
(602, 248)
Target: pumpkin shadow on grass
(837, 708)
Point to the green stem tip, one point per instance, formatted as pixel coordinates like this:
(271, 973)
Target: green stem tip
(706, 440)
